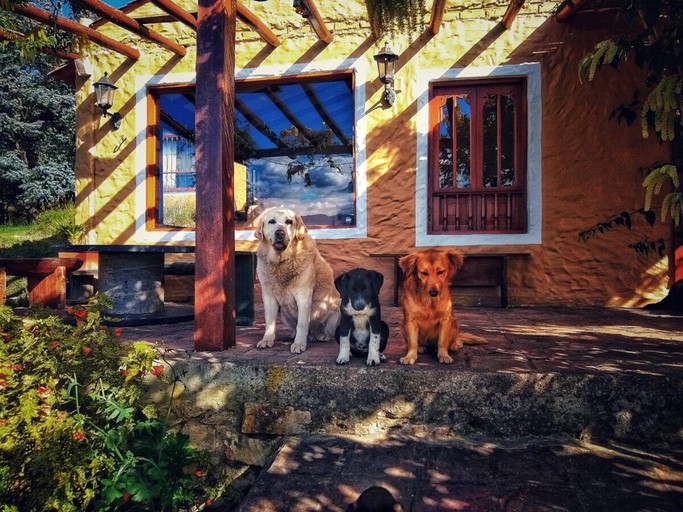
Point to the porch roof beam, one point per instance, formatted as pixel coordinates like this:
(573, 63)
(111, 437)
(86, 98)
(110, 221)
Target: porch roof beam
(11, 35)
(329, 121)
(566, 9)
(177, 12)
(43, 16)
(305, 131)
(511, 13)
(123, 20)
(258, 123)
(252, 21)
(438, 8)
(310, 12)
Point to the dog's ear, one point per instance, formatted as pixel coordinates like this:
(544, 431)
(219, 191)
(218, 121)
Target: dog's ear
(456, 259)
(377, 280)
(407, 264)
(340, 282)
(258, 223)
(300, 228)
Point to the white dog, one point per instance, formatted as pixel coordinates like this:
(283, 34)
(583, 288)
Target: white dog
(294, 279)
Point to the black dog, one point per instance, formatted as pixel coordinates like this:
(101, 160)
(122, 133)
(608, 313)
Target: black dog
(375, 499)
(361, 331)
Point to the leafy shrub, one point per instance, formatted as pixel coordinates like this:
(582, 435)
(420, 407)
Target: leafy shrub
(74, 435)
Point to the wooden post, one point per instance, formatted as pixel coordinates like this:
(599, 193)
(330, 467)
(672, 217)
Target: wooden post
(214, 327)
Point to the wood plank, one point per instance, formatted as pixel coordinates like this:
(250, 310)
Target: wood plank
(123, 20)
(214, 326)
(311, 13)
(252, 21)
(438, 8)
(177, 12)
(566, 9)
(43, 16)
(511, 13)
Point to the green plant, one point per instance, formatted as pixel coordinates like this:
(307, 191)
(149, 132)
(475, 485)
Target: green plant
(653, 39)
(74, 434)
(392, 16)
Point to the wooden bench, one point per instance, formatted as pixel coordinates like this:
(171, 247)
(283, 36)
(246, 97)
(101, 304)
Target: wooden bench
(489, 269)
(46, 278)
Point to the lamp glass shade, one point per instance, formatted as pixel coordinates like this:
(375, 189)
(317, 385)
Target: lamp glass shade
(386, 61)
(104, 90)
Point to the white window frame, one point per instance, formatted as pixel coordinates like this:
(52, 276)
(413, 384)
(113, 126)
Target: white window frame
(532, 73)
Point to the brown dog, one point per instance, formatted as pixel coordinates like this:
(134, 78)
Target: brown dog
(427, 306)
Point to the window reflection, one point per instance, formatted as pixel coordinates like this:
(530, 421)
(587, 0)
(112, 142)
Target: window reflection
(294, 139)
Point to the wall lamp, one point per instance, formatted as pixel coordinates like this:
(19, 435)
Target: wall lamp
(386, 61)
(104, 90)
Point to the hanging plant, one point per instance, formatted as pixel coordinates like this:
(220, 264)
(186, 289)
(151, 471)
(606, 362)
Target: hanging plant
(395, 16)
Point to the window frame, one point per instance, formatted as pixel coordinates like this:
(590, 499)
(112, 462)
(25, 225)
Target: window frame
(477, 91)
(152, 147)
(534, 235)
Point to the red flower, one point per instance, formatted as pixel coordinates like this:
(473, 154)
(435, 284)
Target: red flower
(78, 436)
(126, 496)
(7, 337)
(199, 473)
(43, 392)
(124, 373)
(36, 332)
(208, 502)
(157, 370)
(55, 344)
(81, 313)
(87, 350)
(70, 310)
(3, 384)
(18, 367)
(118, 331)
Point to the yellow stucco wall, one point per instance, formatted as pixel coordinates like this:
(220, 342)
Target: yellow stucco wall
(588, 165)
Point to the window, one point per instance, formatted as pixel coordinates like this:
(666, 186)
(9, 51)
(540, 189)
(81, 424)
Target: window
(477, 158)
(293, 147)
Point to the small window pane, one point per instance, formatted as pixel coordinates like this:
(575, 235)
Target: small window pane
(463, 117)
(446, 145)
(507, 151)
(490, 118)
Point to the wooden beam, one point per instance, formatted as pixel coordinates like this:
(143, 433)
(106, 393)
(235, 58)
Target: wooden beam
(11, 35)
(43, 16)
(566, 9)
(177, 12)
(123, 20)
(176, 126)
(258, 123)
(511, 13)
(438, 8)
(304, 130)
(214, 304)
(309, 10)
(252, 21)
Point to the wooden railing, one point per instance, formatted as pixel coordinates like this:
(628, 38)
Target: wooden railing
(490, 212)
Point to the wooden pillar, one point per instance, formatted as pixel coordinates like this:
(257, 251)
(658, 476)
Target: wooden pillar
(214, 327)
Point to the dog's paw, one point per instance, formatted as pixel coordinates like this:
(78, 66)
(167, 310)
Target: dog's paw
(445, 358)
(373, 359)
(342, 359)
(297, 348)
(265, 343)
(408, 360)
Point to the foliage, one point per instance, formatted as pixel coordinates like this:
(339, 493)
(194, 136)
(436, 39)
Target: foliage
(392, 16)
(653, 39)
(37, 132)
(74, 435)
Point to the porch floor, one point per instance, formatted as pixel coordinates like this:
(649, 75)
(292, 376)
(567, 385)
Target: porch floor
(509, 426)
(595, 340)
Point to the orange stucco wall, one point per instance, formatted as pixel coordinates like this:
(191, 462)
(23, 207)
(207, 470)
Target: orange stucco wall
(588, 165)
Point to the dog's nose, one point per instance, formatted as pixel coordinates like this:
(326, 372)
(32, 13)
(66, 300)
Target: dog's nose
(280, 235)
(433, 293)
(358, 304)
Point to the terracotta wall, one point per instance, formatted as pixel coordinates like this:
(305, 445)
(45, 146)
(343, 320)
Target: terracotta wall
(588, 165)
